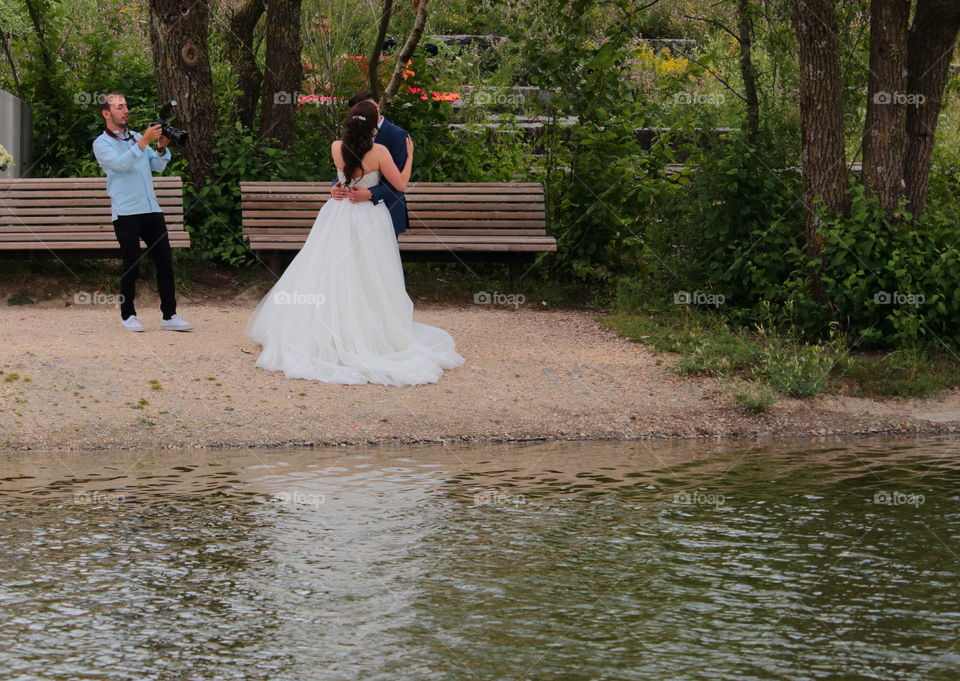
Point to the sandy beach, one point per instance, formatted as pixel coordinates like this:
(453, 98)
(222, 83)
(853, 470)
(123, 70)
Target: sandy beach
(73, 379)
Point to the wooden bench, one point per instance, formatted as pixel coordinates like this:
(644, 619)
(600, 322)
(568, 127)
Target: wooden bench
(73, 214)
(448, 220)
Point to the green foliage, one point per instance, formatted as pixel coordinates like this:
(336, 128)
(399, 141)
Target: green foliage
(908, 372)
(754, 398)
(213, 213)
(887, 283)
(708, 346)
(797, 370)
(443, 153)
(594, 168)
(85, 54)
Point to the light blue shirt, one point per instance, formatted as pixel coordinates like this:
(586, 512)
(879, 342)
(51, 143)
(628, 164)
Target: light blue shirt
(128, 169)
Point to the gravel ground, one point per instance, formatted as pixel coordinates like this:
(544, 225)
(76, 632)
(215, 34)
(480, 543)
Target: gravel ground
(73, 379)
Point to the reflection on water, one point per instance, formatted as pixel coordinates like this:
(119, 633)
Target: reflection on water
(578, 562)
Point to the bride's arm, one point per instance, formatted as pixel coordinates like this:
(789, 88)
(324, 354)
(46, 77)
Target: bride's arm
(398, 178)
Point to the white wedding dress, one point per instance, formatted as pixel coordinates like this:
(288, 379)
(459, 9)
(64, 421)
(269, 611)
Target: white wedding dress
(341, 314)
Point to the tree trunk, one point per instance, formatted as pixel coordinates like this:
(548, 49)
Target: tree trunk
(407, 51)
(243, 59)
(178, 35)
(747, 71)
(821, 119)
(13, 65)
(283, 71)
(887, 100)
(932, 39)
(372, 68)
(37, 10)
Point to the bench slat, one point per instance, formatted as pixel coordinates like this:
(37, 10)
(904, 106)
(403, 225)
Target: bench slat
(270, 199)
(438, 247)
(66, 229)
(19, 198)
(74, 245)
(444, 216)
(273, 187)
(308, 218)
(73, 236)
(6, 212)
(65, 220)
(301, 233)
(76, 182)
(74, 213)
(423, 239)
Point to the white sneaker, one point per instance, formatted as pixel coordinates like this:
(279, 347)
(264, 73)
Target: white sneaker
(176, 323)
(131, 323)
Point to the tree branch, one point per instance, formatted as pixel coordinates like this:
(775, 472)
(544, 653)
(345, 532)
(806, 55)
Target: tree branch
(714, 22)
(374, 64)
(722, 81)
(406, 52)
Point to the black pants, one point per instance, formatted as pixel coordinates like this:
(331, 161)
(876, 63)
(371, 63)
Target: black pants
(152, 228)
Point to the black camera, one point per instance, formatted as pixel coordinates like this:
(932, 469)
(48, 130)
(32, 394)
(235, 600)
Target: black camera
(176, 137)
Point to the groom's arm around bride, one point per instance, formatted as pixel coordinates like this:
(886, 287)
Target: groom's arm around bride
(394, 138)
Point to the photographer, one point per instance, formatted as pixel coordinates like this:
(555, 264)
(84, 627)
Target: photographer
(128, 159)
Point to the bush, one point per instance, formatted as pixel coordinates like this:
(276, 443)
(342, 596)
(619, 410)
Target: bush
(798, 371)
(755, 398)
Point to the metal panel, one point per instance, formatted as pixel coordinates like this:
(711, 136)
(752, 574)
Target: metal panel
(16, 134)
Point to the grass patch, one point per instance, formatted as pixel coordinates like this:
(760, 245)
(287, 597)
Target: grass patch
(708, 346)
(20, 299)
(901, 373)
(755, 398)
(797, 370)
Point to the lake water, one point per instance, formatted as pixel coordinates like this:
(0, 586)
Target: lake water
(583, 561)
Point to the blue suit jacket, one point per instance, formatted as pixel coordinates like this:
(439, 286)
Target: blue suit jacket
(394, 138)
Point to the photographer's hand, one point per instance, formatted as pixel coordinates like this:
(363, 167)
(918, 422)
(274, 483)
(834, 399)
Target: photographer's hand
(162, 145)
(151, 134)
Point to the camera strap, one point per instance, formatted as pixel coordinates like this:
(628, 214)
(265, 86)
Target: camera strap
(117, 137)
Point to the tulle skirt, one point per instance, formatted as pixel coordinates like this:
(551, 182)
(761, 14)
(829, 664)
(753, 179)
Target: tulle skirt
(341, 314)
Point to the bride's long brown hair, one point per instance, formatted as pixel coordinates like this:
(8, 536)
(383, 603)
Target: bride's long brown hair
(358, 130)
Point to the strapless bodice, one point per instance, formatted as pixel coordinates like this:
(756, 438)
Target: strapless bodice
(364, 181)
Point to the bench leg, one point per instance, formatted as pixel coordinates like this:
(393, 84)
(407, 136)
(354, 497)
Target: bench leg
(516, 272)
(274, 262)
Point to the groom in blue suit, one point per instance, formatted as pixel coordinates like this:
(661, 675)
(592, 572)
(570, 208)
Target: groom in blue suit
(394, 138)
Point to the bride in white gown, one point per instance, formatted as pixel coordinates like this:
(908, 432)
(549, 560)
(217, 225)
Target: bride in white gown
(340, 313)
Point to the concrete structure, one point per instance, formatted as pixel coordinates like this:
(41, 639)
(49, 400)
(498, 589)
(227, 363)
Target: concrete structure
(16, 134)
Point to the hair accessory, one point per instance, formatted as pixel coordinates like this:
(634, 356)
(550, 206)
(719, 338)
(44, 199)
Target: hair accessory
(362, 118)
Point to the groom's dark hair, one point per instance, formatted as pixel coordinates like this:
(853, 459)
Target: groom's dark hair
(361, 96)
